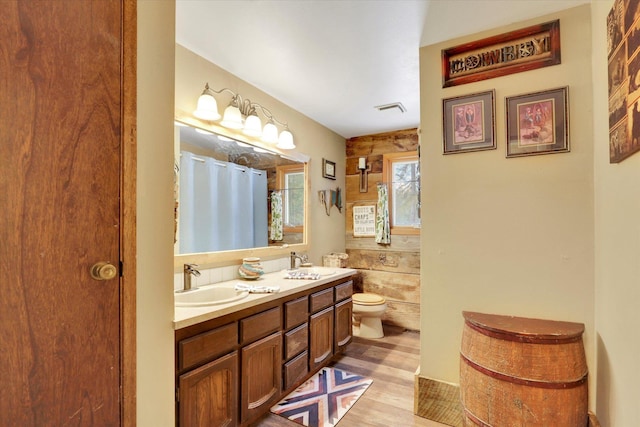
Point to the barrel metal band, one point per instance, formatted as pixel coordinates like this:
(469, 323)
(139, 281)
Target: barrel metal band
(531, 339)
(476, 420)
(522, 381)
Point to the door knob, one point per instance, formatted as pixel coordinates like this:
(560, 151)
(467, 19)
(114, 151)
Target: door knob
(103, 271)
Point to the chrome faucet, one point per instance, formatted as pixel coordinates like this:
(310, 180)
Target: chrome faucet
(188, 271)
(293, 256)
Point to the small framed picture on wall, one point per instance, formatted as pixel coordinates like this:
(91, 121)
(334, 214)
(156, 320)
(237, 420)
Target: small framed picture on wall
(469, 123)
(328, 169)
(537, 123)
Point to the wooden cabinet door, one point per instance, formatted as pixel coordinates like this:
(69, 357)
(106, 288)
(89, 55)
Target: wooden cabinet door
(261, 376)
(65, 110)
(344, 324)
(209, 394)
(320, 338)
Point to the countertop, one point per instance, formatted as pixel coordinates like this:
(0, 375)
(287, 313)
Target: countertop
(187, 316)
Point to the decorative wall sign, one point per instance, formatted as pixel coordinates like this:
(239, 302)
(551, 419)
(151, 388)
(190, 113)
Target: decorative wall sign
(469, 123)
(623, 37)
(521, 50)
(364, 221)
(537, 123)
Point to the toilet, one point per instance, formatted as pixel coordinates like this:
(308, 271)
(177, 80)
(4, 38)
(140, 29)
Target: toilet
(368, 309)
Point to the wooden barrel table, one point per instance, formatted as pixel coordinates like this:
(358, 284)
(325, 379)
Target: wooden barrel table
(517, 371)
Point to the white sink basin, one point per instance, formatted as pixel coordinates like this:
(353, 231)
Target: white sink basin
(208, 295)
(322, 271)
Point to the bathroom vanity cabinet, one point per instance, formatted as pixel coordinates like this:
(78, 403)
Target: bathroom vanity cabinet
(230, 370)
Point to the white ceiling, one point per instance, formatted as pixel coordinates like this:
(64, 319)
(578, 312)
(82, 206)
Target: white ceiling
(335, 60)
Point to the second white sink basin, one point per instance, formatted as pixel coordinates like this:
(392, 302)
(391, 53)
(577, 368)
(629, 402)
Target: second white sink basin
(322, 271)
(209, 295)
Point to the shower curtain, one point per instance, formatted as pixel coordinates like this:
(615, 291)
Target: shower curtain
(217, 210)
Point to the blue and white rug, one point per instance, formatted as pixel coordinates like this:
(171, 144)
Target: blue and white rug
(324, 399)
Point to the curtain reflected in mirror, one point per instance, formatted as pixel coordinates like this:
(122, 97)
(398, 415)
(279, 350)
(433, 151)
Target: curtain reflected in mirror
(234, 196)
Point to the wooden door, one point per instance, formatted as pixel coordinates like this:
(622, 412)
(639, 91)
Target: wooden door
(320, 338)
(261, 376)
(209, 394)
(343, 325)
(61, 126)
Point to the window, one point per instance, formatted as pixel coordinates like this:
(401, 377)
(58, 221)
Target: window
(401, 172)
(291, 179)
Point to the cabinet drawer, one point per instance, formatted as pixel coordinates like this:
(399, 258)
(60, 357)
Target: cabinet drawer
(295, 369)
(295, 312)
(321, 300)
(344, 290)
(295, 341)
(260, 325)
(207, 346)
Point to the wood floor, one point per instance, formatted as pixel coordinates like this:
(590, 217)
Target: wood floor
(391, 362)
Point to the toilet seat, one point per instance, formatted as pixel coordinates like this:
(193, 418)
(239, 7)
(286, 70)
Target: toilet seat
(367, 299)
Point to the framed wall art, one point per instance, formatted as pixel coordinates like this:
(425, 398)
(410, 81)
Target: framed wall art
(623, 44)
(469, 123)
(328, 169)
(538, 123)
(514, 52)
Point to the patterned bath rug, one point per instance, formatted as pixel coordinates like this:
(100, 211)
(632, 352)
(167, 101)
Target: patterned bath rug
(324, 399)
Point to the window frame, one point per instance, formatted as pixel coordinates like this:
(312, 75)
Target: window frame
(387, 175)
(281, 172)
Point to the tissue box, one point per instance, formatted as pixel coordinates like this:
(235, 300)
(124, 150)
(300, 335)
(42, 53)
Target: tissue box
(335, 259)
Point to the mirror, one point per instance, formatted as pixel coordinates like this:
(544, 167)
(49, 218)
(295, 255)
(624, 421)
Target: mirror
(233, 196)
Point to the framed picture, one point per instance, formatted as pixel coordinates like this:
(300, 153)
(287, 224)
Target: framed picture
(328, 169)
(538, 123)
(623, 42)
(469, 123)
(513, 52)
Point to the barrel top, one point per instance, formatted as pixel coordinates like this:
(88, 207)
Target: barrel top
(522, 327)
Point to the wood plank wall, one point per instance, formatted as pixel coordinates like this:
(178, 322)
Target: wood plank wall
(392, 271)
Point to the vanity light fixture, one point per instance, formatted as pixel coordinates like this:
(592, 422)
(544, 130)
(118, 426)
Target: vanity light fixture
(243, 114)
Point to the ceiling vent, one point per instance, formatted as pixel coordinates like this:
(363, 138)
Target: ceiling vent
(386, 107)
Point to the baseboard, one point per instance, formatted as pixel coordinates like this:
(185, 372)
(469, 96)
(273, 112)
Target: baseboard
(437, 401)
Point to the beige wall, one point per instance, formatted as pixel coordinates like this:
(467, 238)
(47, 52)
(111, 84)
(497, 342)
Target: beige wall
(617, 256)
(326, 233)
(155, 361)
(507, 236)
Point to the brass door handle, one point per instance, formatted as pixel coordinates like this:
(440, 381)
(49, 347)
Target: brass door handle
(103, 271)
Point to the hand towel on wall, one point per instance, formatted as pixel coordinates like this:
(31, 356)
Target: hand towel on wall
(383, 230)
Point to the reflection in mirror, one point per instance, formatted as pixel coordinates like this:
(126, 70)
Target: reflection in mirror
(235, 196)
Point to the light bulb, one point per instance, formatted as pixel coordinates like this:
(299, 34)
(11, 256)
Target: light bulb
(207, 108)
(285, 141)
(252, 126)
(270, 133)
(232, 118)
